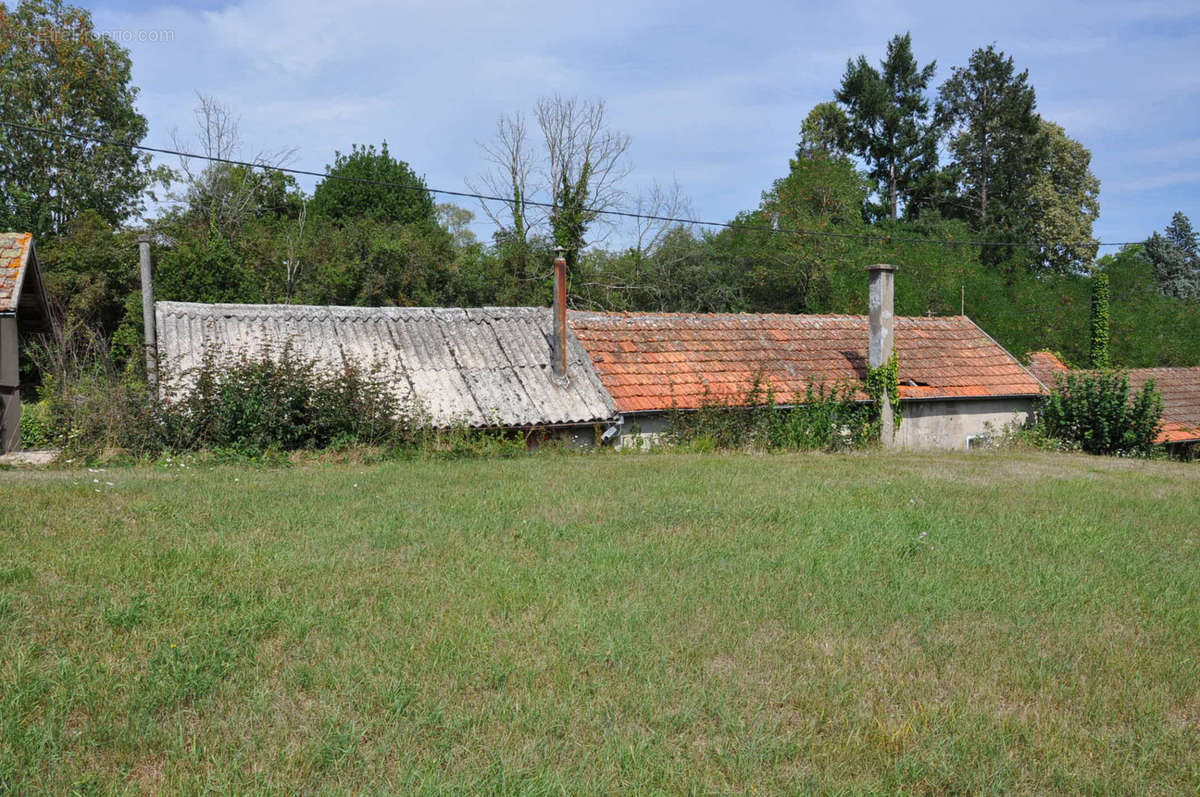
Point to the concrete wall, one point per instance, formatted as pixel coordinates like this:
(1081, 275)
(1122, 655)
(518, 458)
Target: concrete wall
(642, 431)
(10, 397)
(949, 425)
(946, 425)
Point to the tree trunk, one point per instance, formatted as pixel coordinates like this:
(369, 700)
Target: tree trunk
(892, 179)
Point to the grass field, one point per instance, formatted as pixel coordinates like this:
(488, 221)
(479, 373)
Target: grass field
(589, 624)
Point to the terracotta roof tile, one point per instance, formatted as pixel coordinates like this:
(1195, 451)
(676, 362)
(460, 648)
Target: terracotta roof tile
(14, 255)
(656, 361)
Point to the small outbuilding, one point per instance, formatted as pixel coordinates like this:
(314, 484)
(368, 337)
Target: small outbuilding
(485, 367)
(24, 311)
(957, 385)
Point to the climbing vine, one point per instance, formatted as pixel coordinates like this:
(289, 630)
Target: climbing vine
(1100, 321)
(885, 377)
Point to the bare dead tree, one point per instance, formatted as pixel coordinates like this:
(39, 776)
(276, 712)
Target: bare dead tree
(584, 165)
(510, 176)
(576, 165)
(654, 207)
(225, 194)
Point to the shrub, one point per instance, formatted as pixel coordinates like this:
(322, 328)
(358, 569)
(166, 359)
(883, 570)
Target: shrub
(247, 406)
(826, 418)
(36, 428)
(1093, 411)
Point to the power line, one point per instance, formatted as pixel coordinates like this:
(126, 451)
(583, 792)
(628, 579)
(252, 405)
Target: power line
(879, 237)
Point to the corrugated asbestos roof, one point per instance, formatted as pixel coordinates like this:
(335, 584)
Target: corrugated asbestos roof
(480, 367)
(1179, 387)
(655, 361)
(14, 256)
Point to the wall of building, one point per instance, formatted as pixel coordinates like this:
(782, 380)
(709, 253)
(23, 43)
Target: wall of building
(642, 431)
(950, 425)
(946, 425)
(10, 397)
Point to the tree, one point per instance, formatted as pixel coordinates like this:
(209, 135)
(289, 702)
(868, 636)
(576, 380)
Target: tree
(889, 124)
(825, 130)
(579, 164)
(373, 185)
(226, 196)
(585, 163)
(1063, 202)
(779, 269)
(1100, 339)
(1183, 237)
(511, 156)
(989, 109)
(1175, 258)
(57, 73)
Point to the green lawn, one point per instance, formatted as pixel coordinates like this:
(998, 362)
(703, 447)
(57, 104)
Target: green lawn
(605, 623)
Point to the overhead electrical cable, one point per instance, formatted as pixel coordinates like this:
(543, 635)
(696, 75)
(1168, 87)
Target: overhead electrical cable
(731, 225)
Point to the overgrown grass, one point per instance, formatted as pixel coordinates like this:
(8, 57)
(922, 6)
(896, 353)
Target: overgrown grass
(934, 624)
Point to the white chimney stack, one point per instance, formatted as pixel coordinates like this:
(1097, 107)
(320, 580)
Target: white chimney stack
(882, 338)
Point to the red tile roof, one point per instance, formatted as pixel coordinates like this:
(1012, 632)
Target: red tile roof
(1045, 365)
(14, 255)
(656, 361)
(1179, 387)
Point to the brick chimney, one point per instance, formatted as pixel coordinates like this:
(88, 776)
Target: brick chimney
(881, 343)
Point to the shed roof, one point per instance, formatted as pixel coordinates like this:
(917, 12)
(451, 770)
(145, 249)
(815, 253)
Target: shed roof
(21, 289)
(1179, 388)
(655, 361)
(1046, 366)
(485, 366)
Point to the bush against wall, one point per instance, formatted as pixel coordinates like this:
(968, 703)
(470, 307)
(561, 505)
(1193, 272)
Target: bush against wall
(1094, 412)
(824, 418)
(272, 402)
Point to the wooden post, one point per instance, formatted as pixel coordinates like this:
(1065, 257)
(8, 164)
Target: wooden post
(150, 336)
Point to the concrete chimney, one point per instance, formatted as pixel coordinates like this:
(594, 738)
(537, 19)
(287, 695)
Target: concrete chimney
(150, 336)
(558, 348)
(882, 338)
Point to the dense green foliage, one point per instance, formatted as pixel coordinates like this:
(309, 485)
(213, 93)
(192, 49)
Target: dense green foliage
(56, 72)
(1099, 356)
(1094, 412)
(362, 185)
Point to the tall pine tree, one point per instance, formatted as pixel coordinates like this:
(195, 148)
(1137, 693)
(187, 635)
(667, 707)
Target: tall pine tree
(1175, 255)
(890, 125)
(989, 108)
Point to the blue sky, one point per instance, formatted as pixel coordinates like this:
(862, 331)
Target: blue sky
(712, 94)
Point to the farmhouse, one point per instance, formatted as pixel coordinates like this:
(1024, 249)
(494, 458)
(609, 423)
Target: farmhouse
(24, 311)
(588, 377)
(1179, 387)
(957, 385)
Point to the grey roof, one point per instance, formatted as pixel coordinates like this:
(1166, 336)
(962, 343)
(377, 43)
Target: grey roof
(485, 366)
